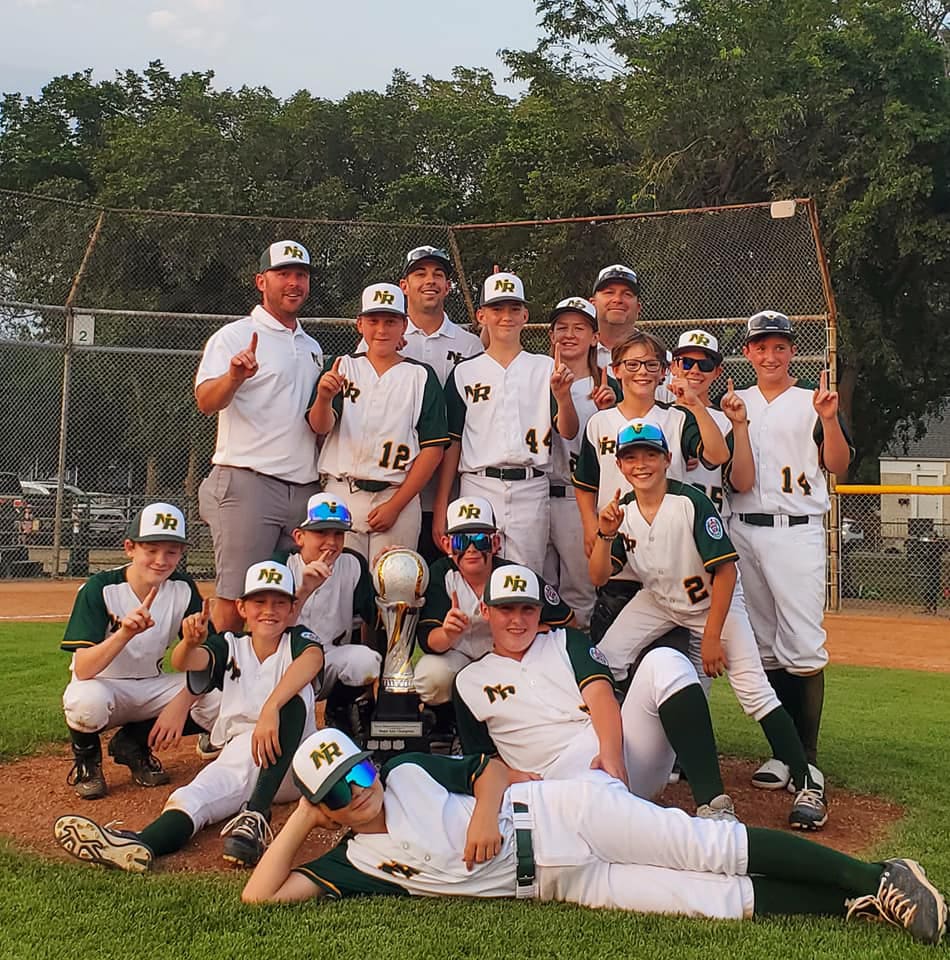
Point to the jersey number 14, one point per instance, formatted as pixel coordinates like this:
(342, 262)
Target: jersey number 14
(802, 482)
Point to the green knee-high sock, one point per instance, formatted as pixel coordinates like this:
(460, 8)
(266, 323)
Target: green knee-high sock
(291, 718)
(170, 832)
(783, 897)
(786, 746)
(688, 726)
(811, 699)
(87, 743)
(785, 856)
(138, 730)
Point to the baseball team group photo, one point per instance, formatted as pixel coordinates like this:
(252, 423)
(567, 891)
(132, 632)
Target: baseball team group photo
(444, 564)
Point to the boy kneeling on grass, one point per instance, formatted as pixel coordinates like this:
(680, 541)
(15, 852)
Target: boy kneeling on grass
(265, 676)
(466, 826)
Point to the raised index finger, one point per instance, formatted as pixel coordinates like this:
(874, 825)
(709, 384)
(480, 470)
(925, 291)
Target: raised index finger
(455, 600)
(603, 376)
(557, 356)
(730, 386)
(823, 381)
(336, 364)
(617, 495)
(253, 346)
(205, 609)
(150, 598)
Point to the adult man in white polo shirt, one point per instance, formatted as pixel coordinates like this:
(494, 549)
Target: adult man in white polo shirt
(257, 374)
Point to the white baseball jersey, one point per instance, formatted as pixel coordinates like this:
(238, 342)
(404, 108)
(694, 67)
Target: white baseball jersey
(329, 611)
(245, 681)
(106, 597)
(593, 843)
(263, 428)
(674, 555)
(786, 437)
(529, 712)
(441, 350)
(564, 453)
(597, 470)
(710, 479)
(445, 579)
(503, 416)
(382, 422)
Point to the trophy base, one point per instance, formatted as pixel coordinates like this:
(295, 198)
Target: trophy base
(398, 729)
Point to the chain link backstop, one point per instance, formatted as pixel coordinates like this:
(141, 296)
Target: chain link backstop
(103, 315)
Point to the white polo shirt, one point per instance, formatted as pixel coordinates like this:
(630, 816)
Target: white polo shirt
(264, 428)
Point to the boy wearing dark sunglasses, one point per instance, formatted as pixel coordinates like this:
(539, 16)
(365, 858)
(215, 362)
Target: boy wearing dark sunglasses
(265, 676)
(464, 826)
(673, 541)
(335, 591)
(452, 630)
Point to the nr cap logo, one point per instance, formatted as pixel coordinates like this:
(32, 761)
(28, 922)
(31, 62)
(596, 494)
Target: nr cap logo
(167, 521)
(326, 753)
(270, 575)
(505, 286)
(699, 338)
(383, 296)
(470, 511)
(515, 582)
(292, 251)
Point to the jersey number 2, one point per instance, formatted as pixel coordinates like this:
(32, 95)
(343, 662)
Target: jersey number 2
(695, 589)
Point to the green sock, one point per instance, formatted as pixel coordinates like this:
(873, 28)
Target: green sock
(291, 719)
(784, 897)
(785, 743)
(812, 695)
(688, 726)
(88, 743)
(784, 856)
(170, 832)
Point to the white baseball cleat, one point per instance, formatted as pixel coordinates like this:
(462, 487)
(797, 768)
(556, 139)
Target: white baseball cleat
(86, 840)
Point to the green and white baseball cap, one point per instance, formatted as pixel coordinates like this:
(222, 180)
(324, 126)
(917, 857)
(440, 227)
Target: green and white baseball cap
(513, 583)
(470, 515)
(698, 340)
(502, 288)
(323, 760)
(284, 253)
(268, 575)
(383, 298)
(575, 305)
(157, 521)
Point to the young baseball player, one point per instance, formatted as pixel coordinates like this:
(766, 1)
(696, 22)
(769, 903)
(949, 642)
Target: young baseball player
(573, 332)
(503, 407)
(122, 623)
(452, 630)
(639, 363)
(796, 433)
(334, 588)
(544, 702)
(384, 417)
(265, 678)
(674, 542)
(459, 826)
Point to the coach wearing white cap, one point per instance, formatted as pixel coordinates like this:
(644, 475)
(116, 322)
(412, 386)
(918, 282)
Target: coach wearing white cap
(257, 374)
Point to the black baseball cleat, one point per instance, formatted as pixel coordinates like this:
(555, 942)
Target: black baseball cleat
(246, 837)
(86, 777)
(147, 769)
(87, 841)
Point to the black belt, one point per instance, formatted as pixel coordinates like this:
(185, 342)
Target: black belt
(369, 486)
(513, 473)
(267, 476)
(768, 519)
(525, 853)
(559, 493)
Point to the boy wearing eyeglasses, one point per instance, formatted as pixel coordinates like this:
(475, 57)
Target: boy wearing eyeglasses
(464, 826)
(334, 590)
(673, 540)
(639, 363)
(452, 631)
(265, 676)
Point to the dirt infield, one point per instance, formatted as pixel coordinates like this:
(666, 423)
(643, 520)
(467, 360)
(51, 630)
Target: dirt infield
(908, 642)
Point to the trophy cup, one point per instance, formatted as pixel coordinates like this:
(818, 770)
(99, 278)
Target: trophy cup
(400, 577)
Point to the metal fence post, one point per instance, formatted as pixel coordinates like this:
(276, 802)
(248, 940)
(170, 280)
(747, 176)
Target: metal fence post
(64, 403)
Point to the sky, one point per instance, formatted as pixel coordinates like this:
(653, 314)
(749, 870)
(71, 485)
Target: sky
(326, 48)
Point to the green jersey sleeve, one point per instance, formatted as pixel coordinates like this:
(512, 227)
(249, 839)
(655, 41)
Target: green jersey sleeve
(89, 622)
(455, 774)
(709, 532)
(691, 443)
(588, 662)
(474, 735)
(586, 474)
(301, 638)
(454, 407)
(195, 603)
(437, 603)
(432, 425)
(212, 677)
(338, 878)
(364, 596)
(819, 437)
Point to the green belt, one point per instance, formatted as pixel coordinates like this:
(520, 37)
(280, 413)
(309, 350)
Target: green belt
(527, 888)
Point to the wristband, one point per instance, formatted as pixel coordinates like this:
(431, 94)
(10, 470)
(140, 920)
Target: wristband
(608, 537)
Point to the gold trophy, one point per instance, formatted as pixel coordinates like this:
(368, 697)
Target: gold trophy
(400, 577)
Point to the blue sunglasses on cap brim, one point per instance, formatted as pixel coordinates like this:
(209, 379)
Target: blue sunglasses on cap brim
(642, 435)
(329, 512)
(362, 774)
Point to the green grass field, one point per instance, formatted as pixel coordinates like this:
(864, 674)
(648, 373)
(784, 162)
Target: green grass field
(885, 732)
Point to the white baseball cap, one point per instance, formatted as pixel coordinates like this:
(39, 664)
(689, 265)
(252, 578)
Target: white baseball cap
(383, 298)
(576, 305)
(284, 253)
(619, 273)
(157, 521)
(470, 513)
(268, 575)
(698, 340)
(502, 288)
(326, 512)
(322, 760)
(513, 583)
